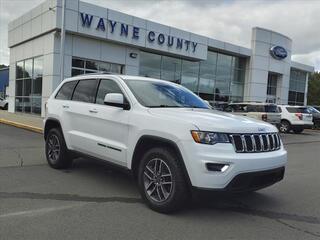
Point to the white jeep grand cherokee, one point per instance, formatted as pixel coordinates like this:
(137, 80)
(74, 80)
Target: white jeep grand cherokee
(166, 135)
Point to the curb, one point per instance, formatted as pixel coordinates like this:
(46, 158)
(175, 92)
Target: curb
(21, 125)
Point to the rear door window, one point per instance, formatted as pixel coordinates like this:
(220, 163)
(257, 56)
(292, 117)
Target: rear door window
(65, 92)
(297, 110)
(85, 91)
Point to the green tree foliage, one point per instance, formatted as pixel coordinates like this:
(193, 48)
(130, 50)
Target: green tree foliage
(314, 89)
(3, 66)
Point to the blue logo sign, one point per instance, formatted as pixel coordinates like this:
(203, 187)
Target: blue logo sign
(278, 52)
(126, 31)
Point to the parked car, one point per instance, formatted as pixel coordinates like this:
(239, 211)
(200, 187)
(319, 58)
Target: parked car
(3, 104)
(164, 134)
(295, 118)
(267, 112)
(316, 107)
(316, 116)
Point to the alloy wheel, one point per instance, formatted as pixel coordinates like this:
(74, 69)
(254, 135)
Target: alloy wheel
(284, 127)
(157, 179)
(53, 148)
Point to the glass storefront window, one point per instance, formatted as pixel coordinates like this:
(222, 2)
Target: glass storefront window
(29, 85)
(171, 69)
(219, 78)
(28, 68)
(19, 70)
(297, 87)
(189, 75)
(82, 66)
(150, 65)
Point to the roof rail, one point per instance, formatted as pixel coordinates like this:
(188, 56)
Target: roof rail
(101, 72)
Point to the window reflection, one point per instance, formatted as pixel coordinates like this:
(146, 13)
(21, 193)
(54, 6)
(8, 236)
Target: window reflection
(189, 75)
(29, 85)
(219, 78)
(297, 87)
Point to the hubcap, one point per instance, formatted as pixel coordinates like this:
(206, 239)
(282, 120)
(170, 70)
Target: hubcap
(283, 127)
(53, 148)
(157, 180)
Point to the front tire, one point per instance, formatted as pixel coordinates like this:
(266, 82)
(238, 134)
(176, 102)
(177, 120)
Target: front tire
(284, 126)
(161, 181)
(56, 150)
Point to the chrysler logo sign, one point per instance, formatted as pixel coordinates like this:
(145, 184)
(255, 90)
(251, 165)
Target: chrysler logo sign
(124, 30)
(278, 52)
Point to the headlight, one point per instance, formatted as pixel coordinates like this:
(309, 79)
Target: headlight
(209, 137)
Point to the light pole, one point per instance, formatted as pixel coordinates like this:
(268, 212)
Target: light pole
(63, 33)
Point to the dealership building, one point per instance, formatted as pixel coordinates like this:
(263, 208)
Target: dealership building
(100, 39)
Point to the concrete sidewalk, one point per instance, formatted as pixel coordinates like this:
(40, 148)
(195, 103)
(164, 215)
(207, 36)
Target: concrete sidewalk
(25, 121)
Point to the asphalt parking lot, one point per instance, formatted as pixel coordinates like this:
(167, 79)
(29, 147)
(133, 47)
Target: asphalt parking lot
(94, 201)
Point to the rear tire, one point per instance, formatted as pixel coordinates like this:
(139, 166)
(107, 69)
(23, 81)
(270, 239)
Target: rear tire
(161, 181)
(298, 130)
(57, 153)
(5, 107)
(284, 126)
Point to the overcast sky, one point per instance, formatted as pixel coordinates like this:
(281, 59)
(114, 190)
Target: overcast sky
(228, 20)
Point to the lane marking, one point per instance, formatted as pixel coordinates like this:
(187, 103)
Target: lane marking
(30, 213)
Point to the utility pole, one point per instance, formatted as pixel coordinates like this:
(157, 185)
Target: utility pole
(63, 34)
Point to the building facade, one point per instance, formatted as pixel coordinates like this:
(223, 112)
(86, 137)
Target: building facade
(100, 39)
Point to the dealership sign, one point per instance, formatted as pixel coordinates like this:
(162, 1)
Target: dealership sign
(278, 52)
(134, 33)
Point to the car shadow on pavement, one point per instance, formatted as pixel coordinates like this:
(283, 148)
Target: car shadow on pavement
(114, 179)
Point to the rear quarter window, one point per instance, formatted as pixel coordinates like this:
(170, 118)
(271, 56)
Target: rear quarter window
(65, 92)
(297, 110)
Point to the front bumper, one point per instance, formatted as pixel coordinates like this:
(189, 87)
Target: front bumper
(246, 171)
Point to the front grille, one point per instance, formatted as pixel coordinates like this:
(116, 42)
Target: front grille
(249, 143)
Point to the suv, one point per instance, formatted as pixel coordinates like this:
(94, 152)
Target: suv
(315, 115)
(267, 112)
(164, 134)
(295, 118)
(3, 104)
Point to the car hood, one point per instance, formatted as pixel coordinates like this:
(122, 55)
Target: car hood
(212, 120)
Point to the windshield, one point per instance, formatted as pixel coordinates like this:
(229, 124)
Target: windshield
(161, 94)
(313, 110)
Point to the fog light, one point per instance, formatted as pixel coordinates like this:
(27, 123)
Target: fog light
(217, 167)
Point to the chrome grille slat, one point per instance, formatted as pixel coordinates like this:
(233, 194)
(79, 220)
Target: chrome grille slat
(252, 143)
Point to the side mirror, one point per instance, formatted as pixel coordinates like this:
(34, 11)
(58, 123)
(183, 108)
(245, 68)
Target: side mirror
(116, 100)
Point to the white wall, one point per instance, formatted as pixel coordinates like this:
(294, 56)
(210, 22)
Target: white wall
(41, 46)
(261, 62)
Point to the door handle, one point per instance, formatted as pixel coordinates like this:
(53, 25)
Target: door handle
(65, 106)
(93, 111)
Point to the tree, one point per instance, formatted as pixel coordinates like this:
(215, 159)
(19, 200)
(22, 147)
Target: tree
(314, 89)
(3, 66)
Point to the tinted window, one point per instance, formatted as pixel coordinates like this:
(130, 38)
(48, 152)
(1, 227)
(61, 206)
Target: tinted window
(237, 108)
(85, 91)
(262, 108)
(106, 86)
(279, 109)
(297, 110)
(66, 90)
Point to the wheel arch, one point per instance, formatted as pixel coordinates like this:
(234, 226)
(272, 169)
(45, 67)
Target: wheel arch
(49, 124)
(147, 142)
